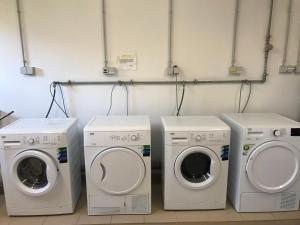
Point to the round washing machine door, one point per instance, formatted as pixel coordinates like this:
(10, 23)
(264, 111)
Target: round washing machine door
(34, 172)
(273, 166)
(197, 167)
(117, 170)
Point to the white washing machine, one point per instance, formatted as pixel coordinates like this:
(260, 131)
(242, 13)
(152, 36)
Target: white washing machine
(264, 162)
(195, 162)
(40, 166)
(118, 165)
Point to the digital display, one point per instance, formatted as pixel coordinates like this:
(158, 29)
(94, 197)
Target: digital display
(295, 132)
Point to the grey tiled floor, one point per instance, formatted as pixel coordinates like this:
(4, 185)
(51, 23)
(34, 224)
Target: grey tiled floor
(158, 216)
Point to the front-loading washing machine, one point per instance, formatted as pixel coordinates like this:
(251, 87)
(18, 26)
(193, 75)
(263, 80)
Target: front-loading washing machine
(195, 162)
(264, 162)
(40, 164)
(118, 165)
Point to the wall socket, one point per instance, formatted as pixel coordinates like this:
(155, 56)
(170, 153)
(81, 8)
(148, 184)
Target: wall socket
(236, 70)
(109, 71)
(289, 69)
(27, 70)
(173, 71)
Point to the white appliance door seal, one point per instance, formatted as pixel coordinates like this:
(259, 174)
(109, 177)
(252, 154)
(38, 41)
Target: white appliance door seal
(34, 172)
(117, 170)
(197, 167)
(273, 166)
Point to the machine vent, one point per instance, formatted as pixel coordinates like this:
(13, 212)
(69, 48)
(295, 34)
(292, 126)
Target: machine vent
(288, 200)
(109, 210)
(140, 203)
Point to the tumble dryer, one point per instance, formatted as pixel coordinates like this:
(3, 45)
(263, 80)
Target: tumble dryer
(195, 162)
(264, 162)
(118, 165)
(40, 166)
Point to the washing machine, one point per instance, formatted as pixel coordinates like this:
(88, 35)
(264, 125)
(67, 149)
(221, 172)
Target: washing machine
(264, 162)
(40, 166)
(195, 162)
(118, 165)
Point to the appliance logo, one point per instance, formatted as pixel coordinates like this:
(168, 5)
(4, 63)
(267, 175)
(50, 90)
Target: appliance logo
(146, 151)
(224, 152)
(62, 155)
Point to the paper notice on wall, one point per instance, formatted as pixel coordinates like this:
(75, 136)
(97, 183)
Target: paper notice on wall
(127, 62)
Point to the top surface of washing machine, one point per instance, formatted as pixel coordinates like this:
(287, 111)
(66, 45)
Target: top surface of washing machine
(29, 126)
(118, 123)
(193, 123)
(265, 120)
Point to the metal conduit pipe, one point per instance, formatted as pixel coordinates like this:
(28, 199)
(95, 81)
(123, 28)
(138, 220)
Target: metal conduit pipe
(287, 33)
(24, 61)
(268, 47)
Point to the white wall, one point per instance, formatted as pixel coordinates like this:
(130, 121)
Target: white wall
(63, 40)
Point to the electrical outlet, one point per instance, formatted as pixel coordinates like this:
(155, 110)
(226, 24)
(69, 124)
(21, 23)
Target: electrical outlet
(109, 71)
(236, 70)
(27, 70)
(173, 71)
(287, 69)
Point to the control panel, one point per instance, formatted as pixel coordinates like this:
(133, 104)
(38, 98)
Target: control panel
(34, 140)
(257, 134)
(198, 138)
(116, 138)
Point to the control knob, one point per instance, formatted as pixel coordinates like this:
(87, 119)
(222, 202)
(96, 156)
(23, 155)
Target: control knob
(276, 133)
(31, 141)
(133, 137)
(198, 138)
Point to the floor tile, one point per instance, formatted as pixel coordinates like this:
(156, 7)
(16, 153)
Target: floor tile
(161, 216)
(192, 216)
(257, 216)
(62, 219)
(127, 219)
(287, 215)
(85, 219)
(32, 220)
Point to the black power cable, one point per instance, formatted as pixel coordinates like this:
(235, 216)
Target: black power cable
(181, 100)
(8, 114)
(111, 100)
(248, 97)
(53, 94)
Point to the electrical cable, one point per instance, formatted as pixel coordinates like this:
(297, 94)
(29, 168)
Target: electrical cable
(53, 94)
(111, 95)
(248, 98)
(240, 97)
(8, 114)
(63, 100)
(52, 101)
(59, 106)
(176, 87)
(181, 100)
(111, 100)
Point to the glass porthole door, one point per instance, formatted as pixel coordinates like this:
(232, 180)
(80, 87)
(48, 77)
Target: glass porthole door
(34, 172)
(197, 167)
